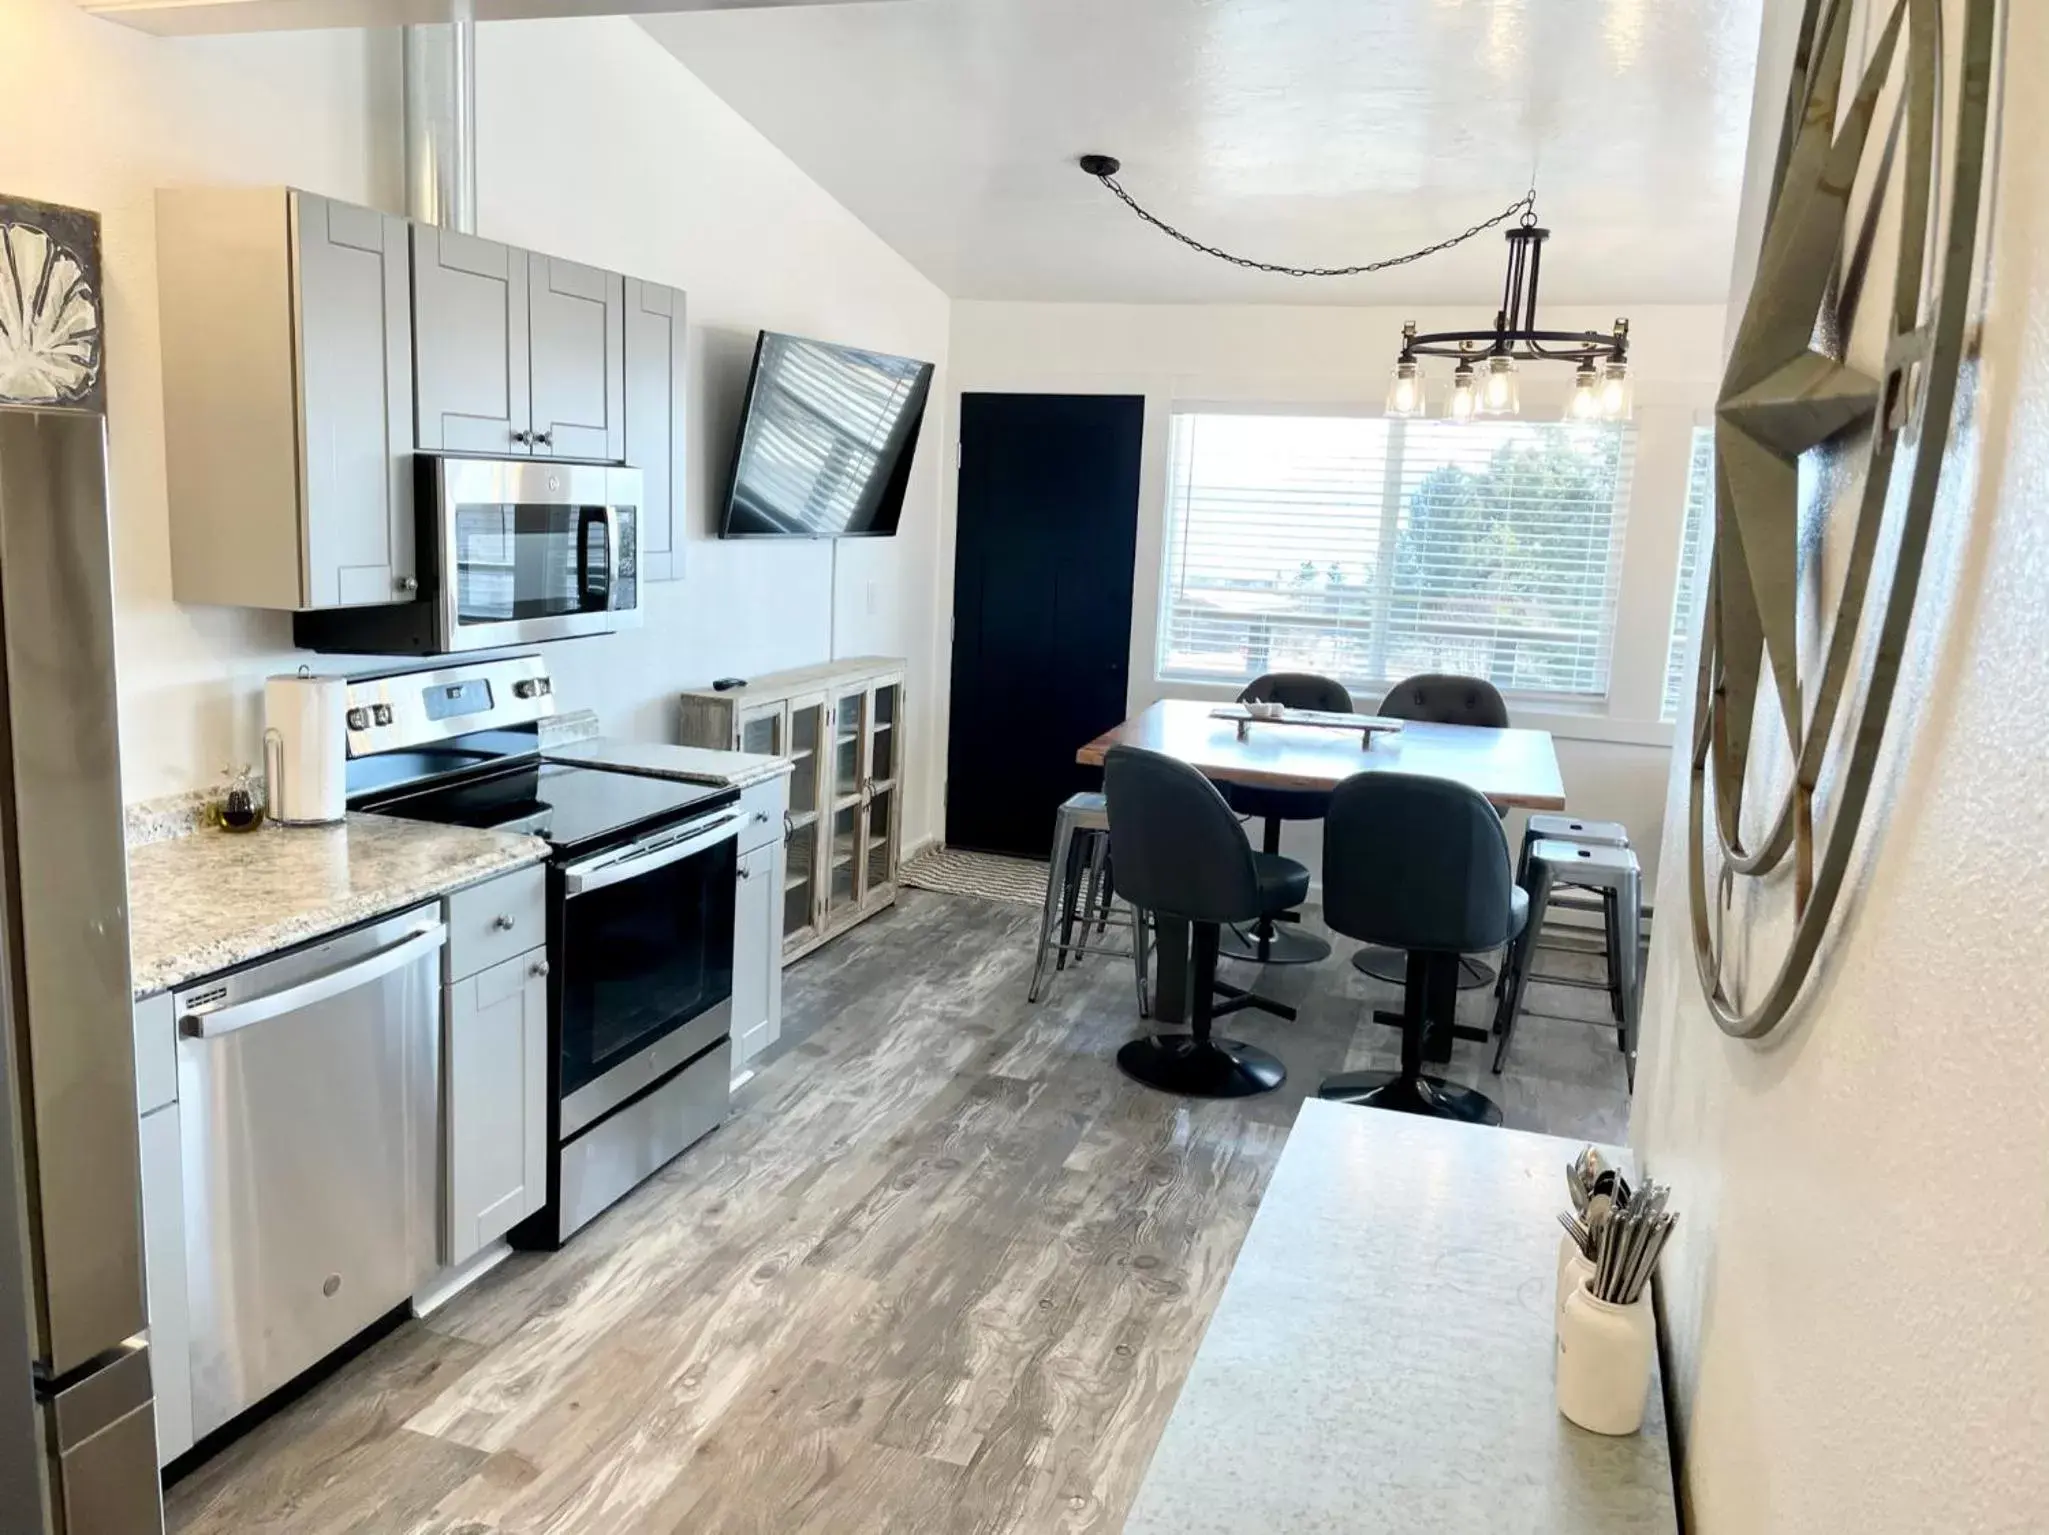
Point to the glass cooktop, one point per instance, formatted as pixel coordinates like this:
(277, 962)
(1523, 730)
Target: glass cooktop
(568, 806)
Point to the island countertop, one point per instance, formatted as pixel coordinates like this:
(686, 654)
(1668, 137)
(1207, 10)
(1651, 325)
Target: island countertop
(209, 900)
(1381, 1358)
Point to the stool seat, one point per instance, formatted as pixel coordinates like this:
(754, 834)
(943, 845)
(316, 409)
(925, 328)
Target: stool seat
(1567, 828)
(1283, 883)
(1592, 867)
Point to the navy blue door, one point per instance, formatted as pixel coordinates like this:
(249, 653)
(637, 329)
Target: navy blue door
(1043, 560)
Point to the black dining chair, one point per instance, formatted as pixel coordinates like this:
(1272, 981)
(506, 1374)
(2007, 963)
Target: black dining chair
(1438, 698)
(1270, 942)
(1179, 852)
(1421, 865)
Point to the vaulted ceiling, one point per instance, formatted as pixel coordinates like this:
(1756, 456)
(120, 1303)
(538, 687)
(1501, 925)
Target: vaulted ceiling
(1315, 132)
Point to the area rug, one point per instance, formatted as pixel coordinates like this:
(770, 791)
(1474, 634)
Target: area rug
(1021, 881)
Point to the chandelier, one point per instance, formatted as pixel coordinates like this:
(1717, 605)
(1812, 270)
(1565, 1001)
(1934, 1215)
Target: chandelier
(1485, 380)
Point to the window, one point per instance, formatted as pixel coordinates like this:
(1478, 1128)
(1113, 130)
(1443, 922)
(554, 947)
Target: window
(1700, 501)
(1369, 550)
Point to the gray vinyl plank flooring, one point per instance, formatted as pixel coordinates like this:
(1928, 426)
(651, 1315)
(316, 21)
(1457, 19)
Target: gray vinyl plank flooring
(944, 1270)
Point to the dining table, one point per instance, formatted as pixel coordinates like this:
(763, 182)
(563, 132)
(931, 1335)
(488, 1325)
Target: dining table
(1512, 769)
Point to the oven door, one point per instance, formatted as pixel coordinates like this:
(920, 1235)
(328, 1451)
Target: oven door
(530, 551)
(646, 964)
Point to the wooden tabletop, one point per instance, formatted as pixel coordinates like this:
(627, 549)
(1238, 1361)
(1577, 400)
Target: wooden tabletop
(1381, 1359)
(1515, 769)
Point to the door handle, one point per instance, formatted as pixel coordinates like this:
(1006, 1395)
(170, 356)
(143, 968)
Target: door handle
(544, 439)
(239, 1015)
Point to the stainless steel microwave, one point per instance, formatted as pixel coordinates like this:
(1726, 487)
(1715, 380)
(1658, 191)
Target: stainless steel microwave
(510, 551)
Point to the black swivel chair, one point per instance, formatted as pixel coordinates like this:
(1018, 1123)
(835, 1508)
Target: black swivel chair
(1269, 943)
(1180, 852)
(1419, 864)
(1438, 698)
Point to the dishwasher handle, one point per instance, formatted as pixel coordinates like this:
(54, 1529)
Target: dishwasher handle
(239, 1015)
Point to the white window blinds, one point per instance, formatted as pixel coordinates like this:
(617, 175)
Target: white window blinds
(1686, 599)
(1369, 550)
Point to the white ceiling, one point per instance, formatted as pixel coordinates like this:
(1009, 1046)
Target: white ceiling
(1314, 132)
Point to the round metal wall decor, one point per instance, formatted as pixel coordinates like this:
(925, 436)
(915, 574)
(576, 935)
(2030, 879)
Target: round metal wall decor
(1785, 394)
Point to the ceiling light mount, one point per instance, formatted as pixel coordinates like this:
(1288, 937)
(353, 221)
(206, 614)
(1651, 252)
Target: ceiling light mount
(1100, 166)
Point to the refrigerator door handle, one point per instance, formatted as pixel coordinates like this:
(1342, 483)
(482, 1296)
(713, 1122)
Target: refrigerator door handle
(239, 1015)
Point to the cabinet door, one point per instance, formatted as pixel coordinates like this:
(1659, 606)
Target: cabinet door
(757, 952)
(764, 728)
(882, 747)
(470, 344)
(810, 751)
(355, 351)
(577, 351)
(163, 1258)
(845, 825)
(497, 1121)
(655, 333)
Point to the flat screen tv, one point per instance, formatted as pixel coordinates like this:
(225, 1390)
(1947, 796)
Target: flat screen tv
(826, 438)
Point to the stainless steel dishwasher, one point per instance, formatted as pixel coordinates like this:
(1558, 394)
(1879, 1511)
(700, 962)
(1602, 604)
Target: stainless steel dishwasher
(309, 1097)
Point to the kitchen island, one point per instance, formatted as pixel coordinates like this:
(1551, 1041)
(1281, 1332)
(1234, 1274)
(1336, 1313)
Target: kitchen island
(1381, 1359)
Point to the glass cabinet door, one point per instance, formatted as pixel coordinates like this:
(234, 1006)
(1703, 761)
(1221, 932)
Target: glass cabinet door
(879, 855)
(885, 798)
(843, 883)
(810, 753)
(764, 728)
(800, 881)
(850, 728)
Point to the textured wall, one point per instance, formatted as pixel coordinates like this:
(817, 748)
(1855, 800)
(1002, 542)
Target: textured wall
(595, 144)
(1858, 1300)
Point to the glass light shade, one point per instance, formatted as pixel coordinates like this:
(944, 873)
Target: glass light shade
(1585, 404)
(1465, 393)
(1618, 395)
(1499, 391)
(1405, 394)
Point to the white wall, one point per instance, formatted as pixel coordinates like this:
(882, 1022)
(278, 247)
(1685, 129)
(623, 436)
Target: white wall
(595, 144)
(1858, 1295)
(1613, 758)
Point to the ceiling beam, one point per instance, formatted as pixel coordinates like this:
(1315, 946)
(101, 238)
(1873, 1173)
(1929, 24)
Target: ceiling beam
(191, 18)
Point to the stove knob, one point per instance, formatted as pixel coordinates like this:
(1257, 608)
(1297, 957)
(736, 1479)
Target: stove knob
(359, 719)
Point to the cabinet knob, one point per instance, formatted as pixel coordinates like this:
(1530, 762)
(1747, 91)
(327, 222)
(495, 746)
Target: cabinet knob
(538, 969)
(522, 438)
(504, 922)
(746, 874)
(761, 818)
(408, 584)
(544, 439)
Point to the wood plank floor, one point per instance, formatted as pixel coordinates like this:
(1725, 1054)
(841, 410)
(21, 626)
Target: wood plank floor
(943, 1270)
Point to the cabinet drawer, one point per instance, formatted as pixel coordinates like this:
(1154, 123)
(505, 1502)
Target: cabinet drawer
(761, 809)
(156, 1053)
(496, 921)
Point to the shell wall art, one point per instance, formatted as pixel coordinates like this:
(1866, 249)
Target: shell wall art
(50, 302)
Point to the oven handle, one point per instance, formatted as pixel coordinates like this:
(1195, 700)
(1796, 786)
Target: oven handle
(239, 1015)
(582, 878)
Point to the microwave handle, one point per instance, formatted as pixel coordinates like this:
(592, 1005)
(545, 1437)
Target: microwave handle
(611, 555)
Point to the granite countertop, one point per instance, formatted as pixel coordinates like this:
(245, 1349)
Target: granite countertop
(210, 899)
(691, 764)
(1381, 1358)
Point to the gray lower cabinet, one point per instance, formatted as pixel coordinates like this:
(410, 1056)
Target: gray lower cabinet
(286, 322)
(470, 339)
(655, 335)
(495, 1095)
(758, 951)
(576, 328)
(163, 1226)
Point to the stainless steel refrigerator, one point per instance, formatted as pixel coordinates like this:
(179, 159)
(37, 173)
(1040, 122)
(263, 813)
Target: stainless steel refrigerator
(77, 1432)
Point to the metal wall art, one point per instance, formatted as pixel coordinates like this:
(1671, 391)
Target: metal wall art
(50, 327)
(1784, 395)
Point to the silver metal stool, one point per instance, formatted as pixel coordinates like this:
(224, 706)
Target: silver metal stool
(1081, 895)
(1544, 825)
(1612, 871)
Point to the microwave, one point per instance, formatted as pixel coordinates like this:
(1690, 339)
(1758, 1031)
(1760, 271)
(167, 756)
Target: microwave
(509, 552)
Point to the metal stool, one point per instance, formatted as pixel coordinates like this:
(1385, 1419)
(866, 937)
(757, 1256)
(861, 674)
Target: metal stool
(1080, 895)
(1613, 871)
(1565, 828)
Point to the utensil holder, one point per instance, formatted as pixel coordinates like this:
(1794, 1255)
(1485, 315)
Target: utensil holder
(1604, 1361)
(1575, 1268)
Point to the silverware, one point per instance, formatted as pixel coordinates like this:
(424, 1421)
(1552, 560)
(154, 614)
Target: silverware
(1582, 1238)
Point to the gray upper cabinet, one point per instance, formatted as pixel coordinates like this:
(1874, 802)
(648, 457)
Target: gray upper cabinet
(470, 344)
(288, 398)
(576, 326)
(655, 333)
